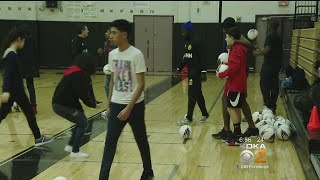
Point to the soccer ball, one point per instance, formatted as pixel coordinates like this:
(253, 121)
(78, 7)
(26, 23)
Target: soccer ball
(106, 69)
(185, 131)
(223, 57)
(252, 34)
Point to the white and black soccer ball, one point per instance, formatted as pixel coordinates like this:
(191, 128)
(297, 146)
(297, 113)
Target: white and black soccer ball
(185, 131)
(283, 132)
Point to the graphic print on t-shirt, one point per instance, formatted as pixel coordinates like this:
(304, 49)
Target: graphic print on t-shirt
(122, 73)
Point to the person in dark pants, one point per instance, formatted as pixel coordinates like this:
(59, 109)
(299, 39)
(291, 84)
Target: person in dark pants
(127, 83)
(13, 88)
(236, 84)
(107, 48)
(196, 75)
(269, 75)
(29, 70)
(75, 85)
(251, 130)
(79, 45)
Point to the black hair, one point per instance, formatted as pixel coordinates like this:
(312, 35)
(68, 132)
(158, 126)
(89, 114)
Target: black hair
(14, 34)
(79, 28)
(86, 62)
(229, 22)
(234, 32)
(122, 25)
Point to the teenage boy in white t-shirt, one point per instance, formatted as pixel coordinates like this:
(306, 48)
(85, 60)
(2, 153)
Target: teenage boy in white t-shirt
(127, 68)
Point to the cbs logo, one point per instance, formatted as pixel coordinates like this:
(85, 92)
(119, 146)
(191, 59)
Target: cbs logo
(247, 156)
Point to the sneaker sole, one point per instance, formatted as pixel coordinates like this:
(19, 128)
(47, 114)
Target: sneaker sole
(40, 144)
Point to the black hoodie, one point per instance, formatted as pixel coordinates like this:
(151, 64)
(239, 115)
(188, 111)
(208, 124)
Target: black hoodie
(74, 86)
(78, 46)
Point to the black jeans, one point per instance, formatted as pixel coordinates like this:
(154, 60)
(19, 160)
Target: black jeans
(195, 96)
(32, 92)
(269, 85)
(22, 100)
(77, 117)
(115, 127)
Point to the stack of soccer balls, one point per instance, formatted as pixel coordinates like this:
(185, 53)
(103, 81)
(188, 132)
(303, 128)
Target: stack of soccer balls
(270, 126)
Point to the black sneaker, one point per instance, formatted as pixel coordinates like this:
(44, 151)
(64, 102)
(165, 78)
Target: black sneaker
(220, 134)
(147, 175)
(234, 140)
(251, 132)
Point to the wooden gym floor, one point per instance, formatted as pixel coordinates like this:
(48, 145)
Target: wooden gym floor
(200, 157)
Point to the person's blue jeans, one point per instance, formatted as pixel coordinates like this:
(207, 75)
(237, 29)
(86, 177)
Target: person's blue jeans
(115, 127)
(107, 83)
(77, 117)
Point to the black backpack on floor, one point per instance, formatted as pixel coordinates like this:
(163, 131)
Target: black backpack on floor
(299, 80)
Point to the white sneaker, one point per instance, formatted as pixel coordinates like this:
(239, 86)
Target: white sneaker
(79, 155)
(68, 148)
(183, 121)
(105, 114)
(185, 116)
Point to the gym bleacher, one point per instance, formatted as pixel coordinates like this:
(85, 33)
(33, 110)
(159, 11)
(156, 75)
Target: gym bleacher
(305, 51)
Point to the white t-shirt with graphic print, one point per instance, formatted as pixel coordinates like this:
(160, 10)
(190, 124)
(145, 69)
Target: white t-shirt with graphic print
(125, 65)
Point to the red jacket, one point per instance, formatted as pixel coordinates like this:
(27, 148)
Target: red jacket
(236, 73)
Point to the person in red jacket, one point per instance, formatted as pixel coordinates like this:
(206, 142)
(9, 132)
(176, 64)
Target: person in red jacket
(236, 85)
(75, 85)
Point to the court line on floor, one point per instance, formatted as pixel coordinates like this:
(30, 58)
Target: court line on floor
(3, 134)
(133, 142)
(174, 172)
(119, 162)
(45, 85)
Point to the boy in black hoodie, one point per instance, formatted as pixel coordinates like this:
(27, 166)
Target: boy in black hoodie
(75, 85)
(79, 45)
(197, 73)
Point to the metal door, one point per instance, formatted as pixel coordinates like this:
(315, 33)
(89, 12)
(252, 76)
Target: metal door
(143, 38)
(162, 44)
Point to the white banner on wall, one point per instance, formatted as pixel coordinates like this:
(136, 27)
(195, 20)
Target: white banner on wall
(140, 4)
(90, 12)
(72, 9)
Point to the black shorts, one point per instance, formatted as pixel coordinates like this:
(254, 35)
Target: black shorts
(235, 99)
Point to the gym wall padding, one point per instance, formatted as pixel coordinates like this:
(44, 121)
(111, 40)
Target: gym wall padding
(52, 41)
